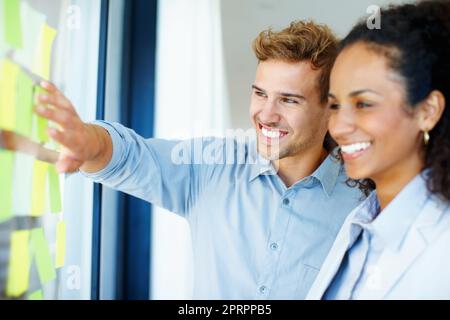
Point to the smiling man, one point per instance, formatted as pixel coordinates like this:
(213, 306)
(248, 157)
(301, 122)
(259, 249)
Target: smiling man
(263, 222)
(289, 113)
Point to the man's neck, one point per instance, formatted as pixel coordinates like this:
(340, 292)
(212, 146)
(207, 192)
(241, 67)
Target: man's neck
(293, 169)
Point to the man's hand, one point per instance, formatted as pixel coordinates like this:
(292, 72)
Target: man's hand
(85, 146)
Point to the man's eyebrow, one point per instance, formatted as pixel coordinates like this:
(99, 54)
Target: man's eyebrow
(292, 95)
(284, 94)
(257, 88)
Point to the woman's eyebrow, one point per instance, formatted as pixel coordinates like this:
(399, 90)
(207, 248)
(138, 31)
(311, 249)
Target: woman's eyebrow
(355, 93)
(361, 91)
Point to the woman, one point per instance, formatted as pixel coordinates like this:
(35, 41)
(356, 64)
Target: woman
(387, 97)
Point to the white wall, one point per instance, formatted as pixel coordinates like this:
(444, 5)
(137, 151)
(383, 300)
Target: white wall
(191, 100)
(243, 20)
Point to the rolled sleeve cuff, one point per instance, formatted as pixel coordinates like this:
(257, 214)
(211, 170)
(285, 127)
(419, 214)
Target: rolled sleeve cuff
(118, 147)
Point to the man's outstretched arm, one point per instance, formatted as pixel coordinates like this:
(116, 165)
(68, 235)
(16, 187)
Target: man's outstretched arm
(86, 147)
(119, 158)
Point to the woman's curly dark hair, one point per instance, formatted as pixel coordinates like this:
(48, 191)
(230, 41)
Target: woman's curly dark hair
(415, 38)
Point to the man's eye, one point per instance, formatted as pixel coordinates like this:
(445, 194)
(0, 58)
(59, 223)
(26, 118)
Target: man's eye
(362, 105)
(260, 94)
(287, 100)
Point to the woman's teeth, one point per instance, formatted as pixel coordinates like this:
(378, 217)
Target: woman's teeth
(355, 147)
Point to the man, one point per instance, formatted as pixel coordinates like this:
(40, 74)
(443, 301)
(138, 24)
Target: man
(260, 229)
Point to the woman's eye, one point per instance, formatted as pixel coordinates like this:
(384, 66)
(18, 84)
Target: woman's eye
(363, 105)
(333, 106)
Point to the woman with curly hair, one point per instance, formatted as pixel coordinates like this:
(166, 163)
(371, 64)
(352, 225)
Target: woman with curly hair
(388, 95)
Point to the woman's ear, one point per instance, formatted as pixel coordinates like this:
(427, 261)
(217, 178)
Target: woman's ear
(431, 110)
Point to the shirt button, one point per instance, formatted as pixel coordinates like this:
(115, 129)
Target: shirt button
(274, 246)
(286, 201)
(263, 289)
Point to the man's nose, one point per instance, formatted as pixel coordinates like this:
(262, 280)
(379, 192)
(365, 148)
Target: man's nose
(270, 113)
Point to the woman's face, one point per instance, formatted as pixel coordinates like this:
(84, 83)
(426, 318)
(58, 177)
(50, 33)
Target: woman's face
(378, 137)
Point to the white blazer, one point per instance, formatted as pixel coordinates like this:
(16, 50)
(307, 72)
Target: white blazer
(419, 270)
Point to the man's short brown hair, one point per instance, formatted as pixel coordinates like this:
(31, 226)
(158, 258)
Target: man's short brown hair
(301, 41)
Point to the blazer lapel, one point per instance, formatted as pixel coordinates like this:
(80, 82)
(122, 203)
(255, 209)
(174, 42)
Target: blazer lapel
(422, 233)
(345, 239)
(395, 263)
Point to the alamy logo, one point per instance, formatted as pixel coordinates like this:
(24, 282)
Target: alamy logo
(73, 17)
(374, 20)
(232, 149)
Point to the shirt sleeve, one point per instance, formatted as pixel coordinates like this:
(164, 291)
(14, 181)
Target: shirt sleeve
(150, 169)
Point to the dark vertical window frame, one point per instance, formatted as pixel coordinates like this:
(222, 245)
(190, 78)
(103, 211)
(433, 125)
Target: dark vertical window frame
(100, 114)
(138, 92)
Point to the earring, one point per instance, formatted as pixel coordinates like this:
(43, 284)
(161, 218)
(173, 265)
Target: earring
(426, 137)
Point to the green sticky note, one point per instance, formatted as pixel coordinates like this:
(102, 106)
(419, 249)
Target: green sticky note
(41, 124)
(39, 190)
(41, 252)
(24, 104)
(61, 231)
(3, 44)
(36, 295)
(19, 264)
(13, 23)
(6, 184)
(8, 80)
(44, 52)
(55, 192)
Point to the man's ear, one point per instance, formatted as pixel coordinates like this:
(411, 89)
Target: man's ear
(431, 110)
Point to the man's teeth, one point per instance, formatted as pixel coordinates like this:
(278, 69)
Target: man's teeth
(273, 134)
(355, 147)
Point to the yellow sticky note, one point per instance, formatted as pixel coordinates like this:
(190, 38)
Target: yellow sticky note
(55, 191)
(44, 52)
(12, 23)
(36, 295)
(60, 244)
(19, 264)
(24, 104)
(41, 253)
(8, 80)
(6, 184)
(39, 190)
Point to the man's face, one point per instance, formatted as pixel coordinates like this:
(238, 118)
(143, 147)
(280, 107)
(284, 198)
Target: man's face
(286, 110)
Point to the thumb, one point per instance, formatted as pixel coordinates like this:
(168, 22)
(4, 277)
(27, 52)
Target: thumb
(68, 164)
